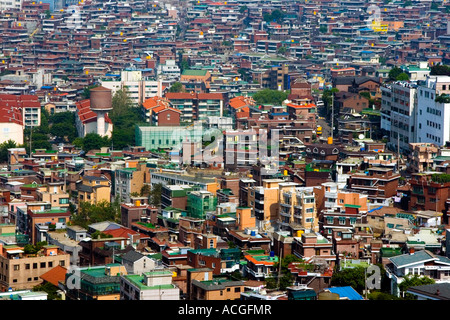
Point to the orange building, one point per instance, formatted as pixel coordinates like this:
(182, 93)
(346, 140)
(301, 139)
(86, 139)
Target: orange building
(245, 218)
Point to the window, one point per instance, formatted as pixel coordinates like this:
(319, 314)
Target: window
(35, 265)
(27, 266)
(43, 264)
(16, 267)
(62, 263)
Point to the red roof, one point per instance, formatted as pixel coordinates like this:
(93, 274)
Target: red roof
(121, 232)
(54, 275)
(85, 113)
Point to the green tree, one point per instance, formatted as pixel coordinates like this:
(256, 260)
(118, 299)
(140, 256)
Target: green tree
(268, 96)
(394, 73)
(282, 50)
(93, 141)
(50, 289)
(86, 94)
(440, 69)
(176, 87)
(412, 281)
(353, 277)
(155, 194)
(121, 102)
(184, 65)
(242, 9)
(402, 77)
(4, 150)
(89, 213)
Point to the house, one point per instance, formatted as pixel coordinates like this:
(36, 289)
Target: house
(95, 282)
(259, 265)
(153, 285)
(421, 263)
(19, 270)
(219, 288)
(137, 263)
(94, 189)
(435, 291)
(312, 245)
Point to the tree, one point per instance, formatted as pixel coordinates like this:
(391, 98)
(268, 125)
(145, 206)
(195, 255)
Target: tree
(86, 94)
(268, 96)
(121, 102)
(402, 77)
(50, 289)
(353, 277)
(93, 141)
(89, 213)
(155, 194)
(282, 50)
(327, 96)
(394, 73)
(412, 281)
(243, 9)
(176, 87)
(276, 15)
(440, 70)
(4, 150)
(184, 65)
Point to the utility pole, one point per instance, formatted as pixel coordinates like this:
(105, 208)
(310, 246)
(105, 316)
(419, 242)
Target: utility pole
(332, 114)
(279, 269)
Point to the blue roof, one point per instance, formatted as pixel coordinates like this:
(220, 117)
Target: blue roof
(346, 292)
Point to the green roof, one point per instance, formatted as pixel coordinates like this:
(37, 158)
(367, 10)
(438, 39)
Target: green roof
(352, 206)
(194, 72)
(137, 280)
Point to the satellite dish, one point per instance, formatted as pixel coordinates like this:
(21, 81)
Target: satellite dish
(361, 136)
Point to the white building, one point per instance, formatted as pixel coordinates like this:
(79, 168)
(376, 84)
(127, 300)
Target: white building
(169, 71)
(156, 285)
(398, 113)
(433, 118)
(10, 4)
(139, 87)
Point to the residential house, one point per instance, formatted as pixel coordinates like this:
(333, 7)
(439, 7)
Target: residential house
(20, 270)
(94, 189)
(95, 282)
(420, 263)
(152, 285)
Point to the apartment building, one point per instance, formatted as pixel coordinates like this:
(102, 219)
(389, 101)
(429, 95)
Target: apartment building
(420, 157)
(433, 110)
(129, 180)
(139, 86)
(96, 282)
(428, 192)
(197, 106)
(398, 106)
(19, 270)
(312, 245)
(265, 202)
(201, 203)
(153, 285)
(94, 189)
(297, 208)
(380, 185)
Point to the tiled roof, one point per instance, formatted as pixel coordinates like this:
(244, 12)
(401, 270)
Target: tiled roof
(407, 259)
(54, 275)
